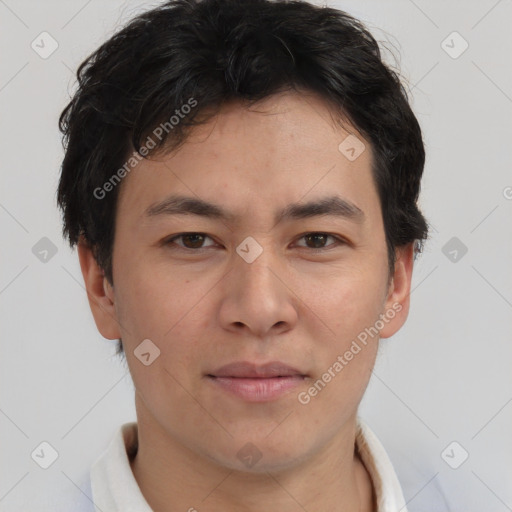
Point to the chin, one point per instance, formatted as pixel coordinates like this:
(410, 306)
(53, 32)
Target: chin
(260, 457)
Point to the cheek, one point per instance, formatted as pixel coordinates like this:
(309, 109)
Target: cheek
(347, 308)
(150, 305)
(177, 317)
(346, 353)
(347, 303)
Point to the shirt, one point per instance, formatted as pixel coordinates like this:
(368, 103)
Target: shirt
(114, 488)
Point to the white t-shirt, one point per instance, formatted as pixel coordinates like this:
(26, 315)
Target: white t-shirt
(113, 488)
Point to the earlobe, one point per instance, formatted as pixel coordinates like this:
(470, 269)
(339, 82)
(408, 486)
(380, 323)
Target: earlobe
(99, 293)
(396, 308)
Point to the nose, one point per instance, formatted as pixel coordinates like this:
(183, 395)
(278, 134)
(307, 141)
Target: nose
(257, 297)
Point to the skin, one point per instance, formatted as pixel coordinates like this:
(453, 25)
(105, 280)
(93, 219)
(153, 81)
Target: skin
(208, 308)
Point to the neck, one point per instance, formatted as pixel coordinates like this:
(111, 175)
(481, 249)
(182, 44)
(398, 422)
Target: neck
(172, 477)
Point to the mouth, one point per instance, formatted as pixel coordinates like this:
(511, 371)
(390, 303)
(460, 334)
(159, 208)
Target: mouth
(257, 383)
(243, 369)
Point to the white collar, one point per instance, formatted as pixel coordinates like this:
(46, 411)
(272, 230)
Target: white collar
(114, 488)
(385, 482)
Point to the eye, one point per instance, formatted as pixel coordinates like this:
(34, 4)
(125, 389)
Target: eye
(190, 240)
(319, 239)
(314, 240)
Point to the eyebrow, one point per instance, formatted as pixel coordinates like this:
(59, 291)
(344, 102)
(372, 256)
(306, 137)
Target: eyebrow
(183, 205)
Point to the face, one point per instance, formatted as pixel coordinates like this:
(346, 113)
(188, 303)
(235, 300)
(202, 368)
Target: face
(301, 289)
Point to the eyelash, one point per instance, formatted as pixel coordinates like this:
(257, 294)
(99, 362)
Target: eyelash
(339, 241)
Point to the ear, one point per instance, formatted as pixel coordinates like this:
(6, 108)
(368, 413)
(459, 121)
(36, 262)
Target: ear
(99, 292)
(396, 308)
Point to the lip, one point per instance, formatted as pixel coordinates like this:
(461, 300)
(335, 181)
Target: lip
(256, 383)
(245, 369)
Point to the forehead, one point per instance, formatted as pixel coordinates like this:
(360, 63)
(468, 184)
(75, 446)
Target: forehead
(285, 149)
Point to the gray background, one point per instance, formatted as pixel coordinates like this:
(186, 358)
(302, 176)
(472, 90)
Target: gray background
(444, 377)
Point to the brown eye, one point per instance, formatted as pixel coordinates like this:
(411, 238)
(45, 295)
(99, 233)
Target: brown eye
(189, 240)
(318, 240)
(193, 241)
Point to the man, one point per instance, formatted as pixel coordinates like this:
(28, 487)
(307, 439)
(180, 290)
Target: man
(241, 180)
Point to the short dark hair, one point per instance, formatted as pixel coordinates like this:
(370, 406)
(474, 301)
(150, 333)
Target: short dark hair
(215, 51)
